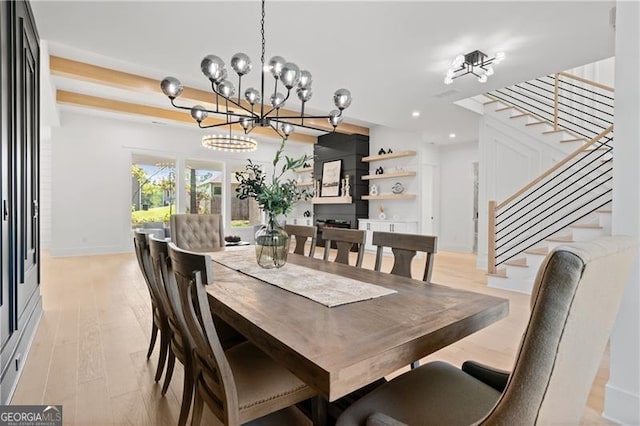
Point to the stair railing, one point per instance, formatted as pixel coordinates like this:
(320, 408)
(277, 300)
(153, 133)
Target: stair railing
(567, 102)
(570, 190)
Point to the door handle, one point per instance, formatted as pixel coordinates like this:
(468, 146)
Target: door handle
(35, 209)
(5, 210)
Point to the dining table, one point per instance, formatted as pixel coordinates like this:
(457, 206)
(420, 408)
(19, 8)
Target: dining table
(339, 349)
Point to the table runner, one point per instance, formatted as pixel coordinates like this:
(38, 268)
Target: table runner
(327, 289)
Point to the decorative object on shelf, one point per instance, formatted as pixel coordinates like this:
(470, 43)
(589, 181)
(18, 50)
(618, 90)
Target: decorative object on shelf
(331, 178)
(274, 198)
(382, 215)
(389, 151)
(306, 165)
(316, 188)
(381, 151)
(476, 63)
(239, 113)
(380, 171)
(373, 190)
(306, 213)
(346, 186)
(398, 188)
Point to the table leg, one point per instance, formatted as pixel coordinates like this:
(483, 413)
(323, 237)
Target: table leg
(319, 405)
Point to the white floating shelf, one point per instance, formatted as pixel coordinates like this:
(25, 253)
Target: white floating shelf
(398, 154)
(331, 200)
(390, 197)
(303, 170)
(388, 175)
(305, 183)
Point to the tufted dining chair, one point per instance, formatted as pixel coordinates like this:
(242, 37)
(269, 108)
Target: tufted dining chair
(574, 303)
(199, 232)
(239, 384)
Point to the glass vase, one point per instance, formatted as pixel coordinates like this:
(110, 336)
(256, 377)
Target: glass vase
(272, 245)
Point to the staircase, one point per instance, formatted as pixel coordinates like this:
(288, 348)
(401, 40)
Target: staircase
(571, 201)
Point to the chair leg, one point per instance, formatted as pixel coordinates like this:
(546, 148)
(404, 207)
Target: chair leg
(154, 335)
(164, 347)
(187, 394)
(198, 405)
(167, 377)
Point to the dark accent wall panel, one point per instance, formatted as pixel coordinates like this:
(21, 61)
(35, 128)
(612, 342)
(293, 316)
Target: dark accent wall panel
(350, 149)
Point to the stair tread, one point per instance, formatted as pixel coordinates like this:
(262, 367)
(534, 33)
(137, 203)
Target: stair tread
(604, 211)
(524, 114)
(500, 273)
(535, 123)
(548, 132)
(573, 140)
(504, 109)
(490, 102)
(540, 250)
(563, 239)
(587, 225)
(519, 262)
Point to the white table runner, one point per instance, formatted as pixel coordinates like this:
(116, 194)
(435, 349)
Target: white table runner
(321, 287)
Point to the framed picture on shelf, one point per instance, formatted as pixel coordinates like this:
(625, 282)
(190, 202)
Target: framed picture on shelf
(331, 178)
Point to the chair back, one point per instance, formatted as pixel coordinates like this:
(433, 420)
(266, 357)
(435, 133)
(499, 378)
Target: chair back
(404, 248)
(197, 231)
(192, 272)
(302, 234)
(141, 246)
(345, 239)
(575, 299)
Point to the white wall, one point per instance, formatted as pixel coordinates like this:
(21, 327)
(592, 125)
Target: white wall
(91, 182)
(425, 163)
(602, 71)
(622, 395)
(456, 204)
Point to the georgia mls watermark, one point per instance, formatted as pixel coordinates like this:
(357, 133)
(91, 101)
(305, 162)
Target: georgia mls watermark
(30, 415)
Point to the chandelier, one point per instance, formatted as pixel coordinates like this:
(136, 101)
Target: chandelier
(251, 112)
(476, 63)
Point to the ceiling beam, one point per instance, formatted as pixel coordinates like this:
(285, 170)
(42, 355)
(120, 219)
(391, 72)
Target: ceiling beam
(95, 102)
(106, 76)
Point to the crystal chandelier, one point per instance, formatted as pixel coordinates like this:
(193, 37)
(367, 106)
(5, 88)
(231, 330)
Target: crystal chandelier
(251, 112)
(476, 63)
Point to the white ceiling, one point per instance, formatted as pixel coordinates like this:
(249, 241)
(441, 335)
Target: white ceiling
(392, 55)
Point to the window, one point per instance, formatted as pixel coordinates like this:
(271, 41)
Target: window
(203, 182)
(152, 189)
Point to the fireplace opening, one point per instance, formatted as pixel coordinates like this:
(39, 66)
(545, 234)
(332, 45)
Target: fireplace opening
(330, 223)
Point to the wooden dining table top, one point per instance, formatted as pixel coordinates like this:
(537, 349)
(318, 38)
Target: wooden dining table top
(340, 349)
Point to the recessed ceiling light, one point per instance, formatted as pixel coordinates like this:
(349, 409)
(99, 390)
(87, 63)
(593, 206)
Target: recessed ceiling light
(452, 135)
(415, 114)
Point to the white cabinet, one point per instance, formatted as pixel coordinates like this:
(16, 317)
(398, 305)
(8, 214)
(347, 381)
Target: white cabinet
(371, 225)
(305, 221)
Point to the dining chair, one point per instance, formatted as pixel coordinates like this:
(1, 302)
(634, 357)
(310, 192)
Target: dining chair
(239, 384)
(574, 303)
(404, 248)
(181, 344)
(302, 234)
(345, 239)
(159, 320)
(200, 232)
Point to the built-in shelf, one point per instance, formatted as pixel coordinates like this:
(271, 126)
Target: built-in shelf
(390, 197)
(398, 154)
(331, 200)
(303, 170)
(305, 183)
(388, 175)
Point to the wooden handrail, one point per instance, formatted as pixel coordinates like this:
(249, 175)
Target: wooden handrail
(555, 167)
(586, 81)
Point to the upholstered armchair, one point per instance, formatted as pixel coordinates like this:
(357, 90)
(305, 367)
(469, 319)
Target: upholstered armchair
(198, 232)
(573, 306)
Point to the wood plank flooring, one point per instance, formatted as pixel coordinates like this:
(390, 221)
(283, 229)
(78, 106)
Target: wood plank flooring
(89, 353)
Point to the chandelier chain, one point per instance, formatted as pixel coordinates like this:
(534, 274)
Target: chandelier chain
(262, 34)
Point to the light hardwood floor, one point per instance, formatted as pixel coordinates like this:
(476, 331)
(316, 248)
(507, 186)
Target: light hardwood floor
(89, 350)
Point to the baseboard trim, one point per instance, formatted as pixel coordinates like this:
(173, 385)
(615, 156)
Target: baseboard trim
(621, 406)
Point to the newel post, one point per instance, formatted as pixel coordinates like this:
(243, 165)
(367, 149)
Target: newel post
(491, 238)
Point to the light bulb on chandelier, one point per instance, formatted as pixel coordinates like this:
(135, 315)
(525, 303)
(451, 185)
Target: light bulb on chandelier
(244, 112)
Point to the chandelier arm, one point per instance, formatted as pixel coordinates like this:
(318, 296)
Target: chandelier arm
(232, 101)
(230, 123)
(283, 136)
(300, 117)
(277, 108)
(304, 126)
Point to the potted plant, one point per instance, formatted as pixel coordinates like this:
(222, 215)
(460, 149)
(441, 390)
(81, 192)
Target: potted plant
(276, 197)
